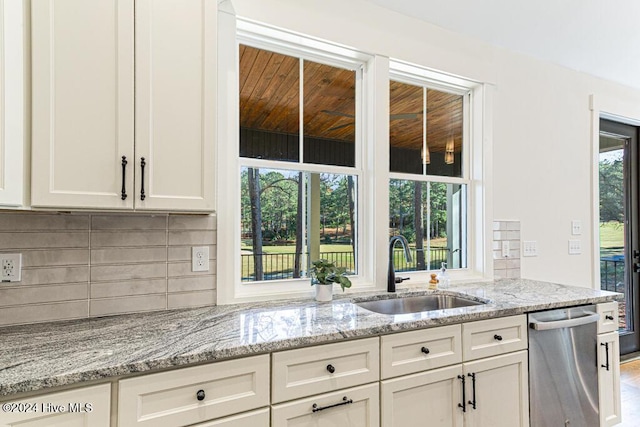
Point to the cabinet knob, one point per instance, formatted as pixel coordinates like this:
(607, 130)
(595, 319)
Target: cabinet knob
(497, 337)
(200, 395)
(608, 317)
(425, 350)
(331, 369)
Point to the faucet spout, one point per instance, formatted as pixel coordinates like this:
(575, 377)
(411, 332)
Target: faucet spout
(391, 276)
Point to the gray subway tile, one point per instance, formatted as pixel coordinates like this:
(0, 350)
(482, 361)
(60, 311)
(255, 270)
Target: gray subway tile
(191, 299)
(54, 275)
(128, 238)
(42, 294)
(131, 304)
(36, 240)
(128, 255)
(186, 284)
(28, 221)
(128, 287)
(35, 313)
(192, 222)
(128, 272)
(128, 222)
(190, 238)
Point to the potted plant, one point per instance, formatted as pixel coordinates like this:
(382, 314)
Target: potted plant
(323, 275)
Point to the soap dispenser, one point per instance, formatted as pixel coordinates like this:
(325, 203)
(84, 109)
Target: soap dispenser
(443, 277)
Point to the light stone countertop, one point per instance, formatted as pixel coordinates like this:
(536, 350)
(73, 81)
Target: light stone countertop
(41, 356)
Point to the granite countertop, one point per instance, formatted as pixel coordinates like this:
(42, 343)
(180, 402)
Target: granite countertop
(40, 356)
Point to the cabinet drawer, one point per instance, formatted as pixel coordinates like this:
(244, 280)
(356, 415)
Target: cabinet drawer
(410, 352)
(492, 337)
(171, 398)
(313, 370)
(257, 418)
(353, 407)
(608, 312)
(99, 397)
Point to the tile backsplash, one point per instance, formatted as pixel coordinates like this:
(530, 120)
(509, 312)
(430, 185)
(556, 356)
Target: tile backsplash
(87, 265)
(506, 266)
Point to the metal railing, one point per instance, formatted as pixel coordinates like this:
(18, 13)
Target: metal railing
(612, 277)
(278, 266)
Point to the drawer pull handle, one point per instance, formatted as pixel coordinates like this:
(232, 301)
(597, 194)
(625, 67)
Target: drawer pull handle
(345, 401)
(497, 337)
(200, 395)
(606, 349)
(608, 317)
(142, 165)
(473, 387)
(425, 350)
(463, 405)
(123, 194)
(331, 369)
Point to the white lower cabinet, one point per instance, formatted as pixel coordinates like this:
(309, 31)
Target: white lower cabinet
(64, 409)
(351, 407)
(609, 379)
(427, 398)
(500, 395)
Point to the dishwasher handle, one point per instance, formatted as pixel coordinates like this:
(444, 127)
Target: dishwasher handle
(568, 323)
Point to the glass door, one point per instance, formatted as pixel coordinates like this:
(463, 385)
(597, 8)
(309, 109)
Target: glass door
(619, 243)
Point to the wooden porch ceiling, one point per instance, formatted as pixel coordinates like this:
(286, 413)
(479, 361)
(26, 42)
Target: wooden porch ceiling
(270, 100)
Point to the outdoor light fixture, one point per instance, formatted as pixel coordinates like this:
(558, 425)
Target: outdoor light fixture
(448, 154)
(426, 156)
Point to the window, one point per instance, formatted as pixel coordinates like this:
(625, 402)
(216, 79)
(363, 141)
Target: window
(299, 174)
(428, 181)
(306, 172)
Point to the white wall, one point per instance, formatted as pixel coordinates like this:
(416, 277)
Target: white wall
(542, 120)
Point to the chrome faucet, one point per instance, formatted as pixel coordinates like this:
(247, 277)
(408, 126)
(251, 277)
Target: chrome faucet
(391, 278)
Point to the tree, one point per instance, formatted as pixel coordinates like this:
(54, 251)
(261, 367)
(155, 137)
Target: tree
(611, 180)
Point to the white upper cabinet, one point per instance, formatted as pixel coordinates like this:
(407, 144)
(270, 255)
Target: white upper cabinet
(82, 103)
(84, 115)
(175, 103)
(12, 98)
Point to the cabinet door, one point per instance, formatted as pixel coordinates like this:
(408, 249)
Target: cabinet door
(428, 398)
(500, 393)
(175, 104)
(64, 409)
(82, 61)
(352, 407)
(11, 103)
(609, 379)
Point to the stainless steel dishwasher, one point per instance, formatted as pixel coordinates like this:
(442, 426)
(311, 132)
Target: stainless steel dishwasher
(563, 370)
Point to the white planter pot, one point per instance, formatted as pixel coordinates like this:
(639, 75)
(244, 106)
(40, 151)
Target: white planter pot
(323, 292)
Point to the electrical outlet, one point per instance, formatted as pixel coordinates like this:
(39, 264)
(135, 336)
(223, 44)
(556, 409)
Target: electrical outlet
(10, 267)
(200, 258)
(505, 248)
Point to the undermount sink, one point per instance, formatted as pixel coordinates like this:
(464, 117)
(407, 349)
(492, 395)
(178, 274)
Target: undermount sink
(417, 304)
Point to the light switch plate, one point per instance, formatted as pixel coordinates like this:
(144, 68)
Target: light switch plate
(575, 247)
(530, 248)
(200, 258)
(576, 227)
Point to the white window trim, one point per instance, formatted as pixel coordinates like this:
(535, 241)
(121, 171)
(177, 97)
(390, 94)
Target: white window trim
(373, 188)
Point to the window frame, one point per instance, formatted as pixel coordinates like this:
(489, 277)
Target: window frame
(372, 160)
(304, 48)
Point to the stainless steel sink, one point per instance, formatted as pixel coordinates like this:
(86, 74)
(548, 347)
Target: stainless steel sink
(417, 304)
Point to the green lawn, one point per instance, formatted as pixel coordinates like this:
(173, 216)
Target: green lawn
(611, 238)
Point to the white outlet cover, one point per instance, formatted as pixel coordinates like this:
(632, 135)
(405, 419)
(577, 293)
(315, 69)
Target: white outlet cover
(200, 258)
(10, 267)
(576, 227)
